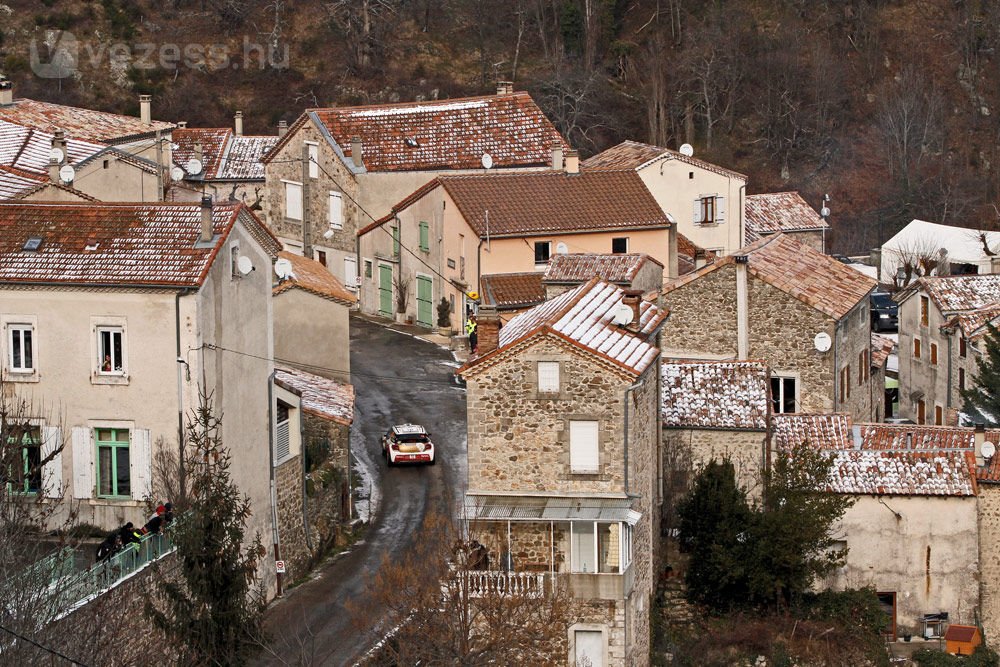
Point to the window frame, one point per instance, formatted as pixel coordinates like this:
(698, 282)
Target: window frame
(396, 240)
(22, 327)
(933, 353)
(111, 329)
(707, 210)
(31, 439)
(115, 446)
(963, 349)
(782, 400)
(616, 239)
(916, 348)
(546, 388)
(288, 200)
(369, 269)
(547, 246)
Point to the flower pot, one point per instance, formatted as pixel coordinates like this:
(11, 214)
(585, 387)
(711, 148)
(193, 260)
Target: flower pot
(445, 331)
(400, 318)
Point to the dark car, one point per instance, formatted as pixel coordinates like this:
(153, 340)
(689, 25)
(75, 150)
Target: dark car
(885, 312)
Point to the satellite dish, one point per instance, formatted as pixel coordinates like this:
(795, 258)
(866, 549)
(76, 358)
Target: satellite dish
(825, 212)
(176, 173)
(283, 268)
(328, 234)
(687, 149)
(194, 166)
(67, 173)
(623, 315)
(244, 264)
(487, 161)
(56, 155)
(822, 342)
(989, 449)
(561, 248)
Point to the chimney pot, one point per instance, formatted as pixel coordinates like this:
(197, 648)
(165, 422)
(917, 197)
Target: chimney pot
(207, 229)
(557, 156)
(505, 87)
(239, 123)
(182, 124)
(572, 162)
(282, 128)
(145, 109)
(487, 329)
(633, 299)
(356, 152)
(6, 91)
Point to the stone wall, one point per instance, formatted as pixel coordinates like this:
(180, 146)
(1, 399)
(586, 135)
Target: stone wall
(291, 526)
(919, 379)
(687, 451)
(814, 239)
(702, 316)
(989, 560)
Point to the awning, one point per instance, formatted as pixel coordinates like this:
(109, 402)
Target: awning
(531, 508)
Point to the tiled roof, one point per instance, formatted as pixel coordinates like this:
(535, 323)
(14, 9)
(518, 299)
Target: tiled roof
(881, 349)
(444, 134)
(535, 203)
(732, 395)
(320, 396)
(14, 182)
(780, 212)
(914, 437)
(119, 155)
(49, 185)
(954, 294)
(960, 633)
(990, 473)
(909, 473)
(633, 154)
(213, 144)
(816, 279)
(85, 124)
(116, 244)
(242, 160)
(688, 254)
(820, 431)
(583, 317)
(313, 277)
(512, 290)
(28, 149)
(973, 323)
(580, 267)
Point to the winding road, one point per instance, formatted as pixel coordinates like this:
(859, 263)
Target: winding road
(397, 378)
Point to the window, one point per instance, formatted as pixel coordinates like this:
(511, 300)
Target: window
(25, 474)
(583, 449)
(916, 348)
(783, 394)
(313, 160)
(962, 351)
(21, 351)
(336, 212)
(543, 250)
(293, 200)
(451, 263)
(709, 209)
(548, 377)
(282, 441)
(395, 241)
(425, 241)
(921, 412)
(924, 307)
(113, 465)
(938, 415)
(368, 268)
(845, 382)
(961, 379)
(110, 352)
(861, 367)
(933, 353)
(321, 257)
(619, 246)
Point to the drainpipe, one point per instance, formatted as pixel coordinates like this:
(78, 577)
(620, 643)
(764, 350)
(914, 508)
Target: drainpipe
(180, 389)
(742, 309)
(743, 210)
(629, 389)
(276, 538)
(305, 497)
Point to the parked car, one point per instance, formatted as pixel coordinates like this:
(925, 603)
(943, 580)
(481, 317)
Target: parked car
(885, 312)
(408, 443)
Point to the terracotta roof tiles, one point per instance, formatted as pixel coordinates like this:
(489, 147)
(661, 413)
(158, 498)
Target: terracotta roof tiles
(882, 347)
(313, 277)
(14, 183)
(579, 267)
(28, 149)
(512, 290)
(909, 473)
(780, 212)
(633, 154)
(955, 294)
(820, 431)
(321, 396)
(78, 123)
(915, 437)
(242, 160)
(213, 144)
(732, 395)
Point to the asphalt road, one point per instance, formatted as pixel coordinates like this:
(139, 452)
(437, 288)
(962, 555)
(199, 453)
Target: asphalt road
(397, 379)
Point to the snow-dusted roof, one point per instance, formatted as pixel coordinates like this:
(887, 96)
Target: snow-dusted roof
(14, 182)
(820, 431)
(28, 149)
(321, 396)
(903, 473)
(928, 238)
(715, 394)
(577, 267)
(774, 212)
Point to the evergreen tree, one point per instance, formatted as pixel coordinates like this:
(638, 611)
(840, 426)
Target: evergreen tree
(982, 399)
(212, 612)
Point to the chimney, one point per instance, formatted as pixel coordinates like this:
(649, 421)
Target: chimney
(282, 128)
(488, 329)
(557, 156)
(239, 123)
(995, 264)
(182, 124)
(673, 266)
(145, 110)
(980, 438)
(742, 309)
(58, 142)
(6, 91)
(572, 162)
(207, 230)
(505, 87)
(356, 154)
(633, 299)
(199, 153)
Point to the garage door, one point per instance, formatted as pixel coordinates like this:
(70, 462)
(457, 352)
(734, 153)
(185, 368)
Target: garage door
(425, 301)
(385, 290)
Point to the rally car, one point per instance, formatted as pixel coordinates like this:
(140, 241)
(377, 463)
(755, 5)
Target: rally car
(408, 443)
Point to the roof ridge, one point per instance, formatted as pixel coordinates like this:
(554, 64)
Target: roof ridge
(447, 100)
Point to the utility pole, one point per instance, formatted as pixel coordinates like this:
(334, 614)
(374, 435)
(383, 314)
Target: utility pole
(307, 247)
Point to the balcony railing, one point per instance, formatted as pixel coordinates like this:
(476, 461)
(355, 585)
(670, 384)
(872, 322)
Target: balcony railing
(581, 585)
(483, 583)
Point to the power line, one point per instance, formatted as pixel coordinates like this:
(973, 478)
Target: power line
(44, 648)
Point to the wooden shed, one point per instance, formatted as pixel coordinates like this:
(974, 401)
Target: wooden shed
(962, 639)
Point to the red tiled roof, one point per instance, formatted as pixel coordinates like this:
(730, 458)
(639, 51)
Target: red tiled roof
(816, 279)
(512, 290)
(780, 212)
(321, 396)
(820, 431)
(960, 633)
(957, 294)
(116, 244)
(633, 154)
(732, 395)
(86, 124)
(14, 182)
(28, 149)
(313, 277)
(580, 267)
(213, 145)
(914, 437)
(882, 347)
(904, 473)
(243, 156)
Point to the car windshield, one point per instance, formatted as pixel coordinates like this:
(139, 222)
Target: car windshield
(412, 437)
(882, 301)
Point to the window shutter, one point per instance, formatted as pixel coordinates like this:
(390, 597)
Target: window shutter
(336, 210)
(313, 161)
(52, 471)
(281, 441)
(83, 463)
(720, 209)
(141, 461)
(548, 377)
(293, 201)
(350, 272)
(583, 449)
(697, 209)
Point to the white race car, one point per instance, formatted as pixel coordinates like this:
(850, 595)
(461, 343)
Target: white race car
(408, 443)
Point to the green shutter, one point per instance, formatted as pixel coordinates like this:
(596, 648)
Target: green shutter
(425, 243)
(395, 241)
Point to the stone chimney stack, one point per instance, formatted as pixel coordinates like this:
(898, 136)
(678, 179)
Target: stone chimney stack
(633, 299)
(980, 438)
(356, 153)
(505, 87)
(207, 229)
(572, 162)
(557, 156)
(199, 155)
(282, 128)
(58, 143)
(239, 123)
(146, 109)
(182, 124)
(488, 329)
(6, 91)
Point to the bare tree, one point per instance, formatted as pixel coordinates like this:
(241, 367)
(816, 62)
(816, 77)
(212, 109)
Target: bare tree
(362, 23)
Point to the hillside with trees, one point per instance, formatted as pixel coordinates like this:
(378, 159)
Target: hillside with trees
(891, 107)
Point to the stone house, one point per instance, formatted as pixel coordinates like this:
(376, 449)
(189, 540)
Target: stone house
(564, 466)
(362, 160)
(441, 239)
(801, 312)
(941, 326)
(706, 200)
(785, 213)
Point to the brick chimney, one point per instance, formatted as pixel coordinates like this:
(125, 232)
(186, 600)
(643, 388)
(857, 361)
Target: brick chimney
(572, 162)
(488, 329)
(356, 153)
(239, 123)
(282, 128)
(633, 299)
(145, 109)
(505, 87)
(557, 156)
(6, 91)
(58, 142)
(207, 229)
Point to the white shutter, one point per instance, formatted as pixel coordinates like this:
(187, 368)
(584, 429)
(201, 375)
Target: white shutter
(336, 210)
(697, 209)
(548, 377)
(350, 272)
(583, 449)
(140, 458)
(293, 201)
(83, 463)
(282, 442)
(720, 209)
(52, 471)
(313, 161)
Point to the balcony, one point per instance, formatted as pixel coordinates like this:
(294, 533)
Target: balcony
(580, 585)
(506, 584)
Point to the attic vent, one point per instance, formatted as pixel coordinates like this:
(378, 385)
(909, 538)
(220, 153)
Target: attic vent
(411, 142)
(33, 243)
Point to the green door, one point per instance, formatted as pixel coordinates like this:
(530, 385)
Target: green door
(425, 302)
(385, 290)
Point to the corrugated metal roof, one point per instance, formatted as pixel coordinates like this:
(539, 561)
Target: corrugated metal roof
(539, 508)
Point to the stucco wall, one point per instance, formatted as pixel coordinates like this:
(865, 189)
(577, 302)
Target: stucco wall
(120, 181)
(989, 559)
(920, 376)
(312, 332)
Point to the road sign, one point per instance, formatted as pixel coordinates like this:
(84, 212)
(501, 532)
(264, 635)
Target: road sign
(279, 565)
